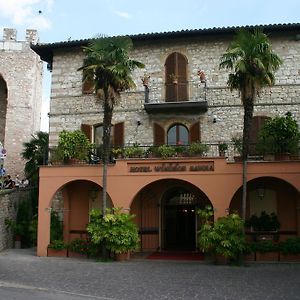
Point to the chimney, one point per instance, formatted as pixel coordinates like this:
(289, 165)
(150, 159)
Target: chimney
(9, 34)
(32, 36)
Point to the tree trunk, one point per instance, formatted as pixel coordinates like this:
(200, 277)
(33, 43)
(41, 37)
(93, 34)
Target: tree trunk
(248, 114)
(108, 111)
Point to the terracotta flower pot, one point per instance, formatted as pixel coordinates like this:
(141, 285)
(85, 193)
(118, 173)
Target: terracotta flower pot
(122, 256)
(57, 253)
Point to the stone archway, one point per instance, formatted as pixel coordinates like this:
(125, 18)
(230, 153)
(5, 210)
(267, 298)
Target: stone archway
(3, 108)
(161, 205)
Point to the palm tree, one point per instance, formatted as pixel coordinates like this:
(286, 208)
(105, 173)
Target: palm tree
(108, 66)
(253, 64)
(36, 153)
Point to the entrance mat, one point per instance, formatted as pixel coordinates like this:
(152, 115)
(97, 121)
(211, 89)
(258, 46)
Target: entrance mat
(176, 255)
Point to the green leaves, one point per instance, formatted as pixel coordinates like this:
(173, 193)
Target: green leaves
(116, 229)
(225, 236)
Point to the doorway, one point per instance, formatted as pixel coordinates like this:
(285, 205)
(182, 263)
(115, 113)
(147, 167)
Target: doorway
(180, 227)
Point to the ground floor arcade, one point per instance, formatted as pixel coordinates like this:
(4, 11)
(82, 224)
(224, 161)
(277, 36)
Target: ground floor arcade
(165, 196)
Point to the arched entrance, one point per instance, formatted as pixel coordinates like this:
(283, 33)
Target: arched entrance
(166, 215)
(272, 195)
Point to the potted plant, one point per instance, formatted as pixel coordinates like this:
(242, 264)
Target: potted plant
(134, 151)
(290, 249)
(238, 147)
(166, 151)
(266, 250)
(116, 230)
(224, 238)
(74, 145)
(222, 148)
(145, 80)
(279, 136)
(56, 156)
(17, 231)
(197, 149)
(78, 248)
(174, 78)
(117, 153)
(58, 248)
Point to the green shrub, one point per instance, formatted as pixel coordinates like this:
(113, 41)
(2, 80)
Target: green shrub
(224, 237)
(79, 246)
(290, 246)
(166, 151)
(265, 246)
(197, 148)
(57, 245)
(116, 230)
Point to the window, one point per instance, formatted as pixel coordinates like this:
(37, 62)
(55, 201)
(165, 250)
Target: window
(178, 135)
(95, 134)
(176, 78)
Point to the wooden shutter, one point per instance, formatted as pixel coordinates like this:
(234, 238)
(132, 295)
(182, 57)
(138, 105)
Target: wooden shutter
(87, 130)
(170, 68)
(195, 132)
(159, 135)
(87, 86)
(176, 64)
(118, 140)
(182, 78)
(257, 124)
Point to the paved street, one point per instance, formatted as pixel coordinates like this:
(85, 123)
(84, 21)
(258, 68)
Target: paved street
(25, 276)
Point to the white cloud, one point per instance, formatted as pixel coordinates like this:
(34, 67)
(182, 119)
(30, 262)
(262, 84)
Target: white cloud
(26, 12)
(123, 14)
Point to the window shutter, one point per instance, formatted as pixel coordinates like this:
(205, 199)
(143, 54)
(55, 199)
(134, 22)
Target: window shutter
(119, 134)
(182, 78)
(87, 86)
(159, 135)
(170, 68)
(195, 133)
(257, 123)
(176, 64)
(87, 130)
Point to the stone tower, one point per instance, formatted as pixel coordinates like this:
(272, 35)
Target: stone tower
(21, 73)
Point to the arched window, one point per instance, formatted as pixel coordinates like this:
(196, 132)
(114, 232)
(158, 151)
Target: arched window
(178, 134)
(176, 78)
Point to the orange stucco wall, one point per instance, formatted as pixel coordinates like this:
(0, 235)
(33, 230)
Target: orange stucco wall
(219, 185)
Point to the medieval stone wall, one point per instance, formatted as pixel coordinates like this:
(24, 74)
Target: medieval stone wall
(21, 74)
(9, 201)
(69, 108)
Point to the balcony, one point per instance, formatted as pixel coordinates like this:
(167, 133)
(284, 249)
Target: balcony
(226, 151)
(194, 104)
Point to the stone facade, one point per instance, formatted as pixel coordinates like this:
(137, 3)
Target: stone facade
(21, 72)
(70, 108)
(9, 200)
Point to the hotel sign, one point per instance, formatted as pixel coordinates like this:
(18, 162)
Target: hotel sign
(203, 166)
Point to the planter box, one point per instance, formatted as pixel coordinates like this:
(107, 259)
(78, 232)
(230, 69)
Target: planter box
(221, 260)
(122, 256)
(249, 257)
(77, 255)
(268, 256)
(57, 253)
(289, 257)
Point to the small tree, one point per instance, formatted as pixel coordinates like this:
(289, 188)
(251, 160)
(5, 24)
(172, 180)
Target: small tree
(223, 237)
(116, 230)
(279, 135)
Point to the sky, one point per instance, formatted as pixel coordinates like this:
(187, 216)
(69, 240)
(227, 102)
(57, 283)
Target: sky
(62, 20)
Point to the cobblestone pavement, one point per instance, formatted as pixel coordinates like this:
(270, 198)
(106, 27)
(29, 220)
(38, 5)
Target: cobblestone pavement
(144, 279)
